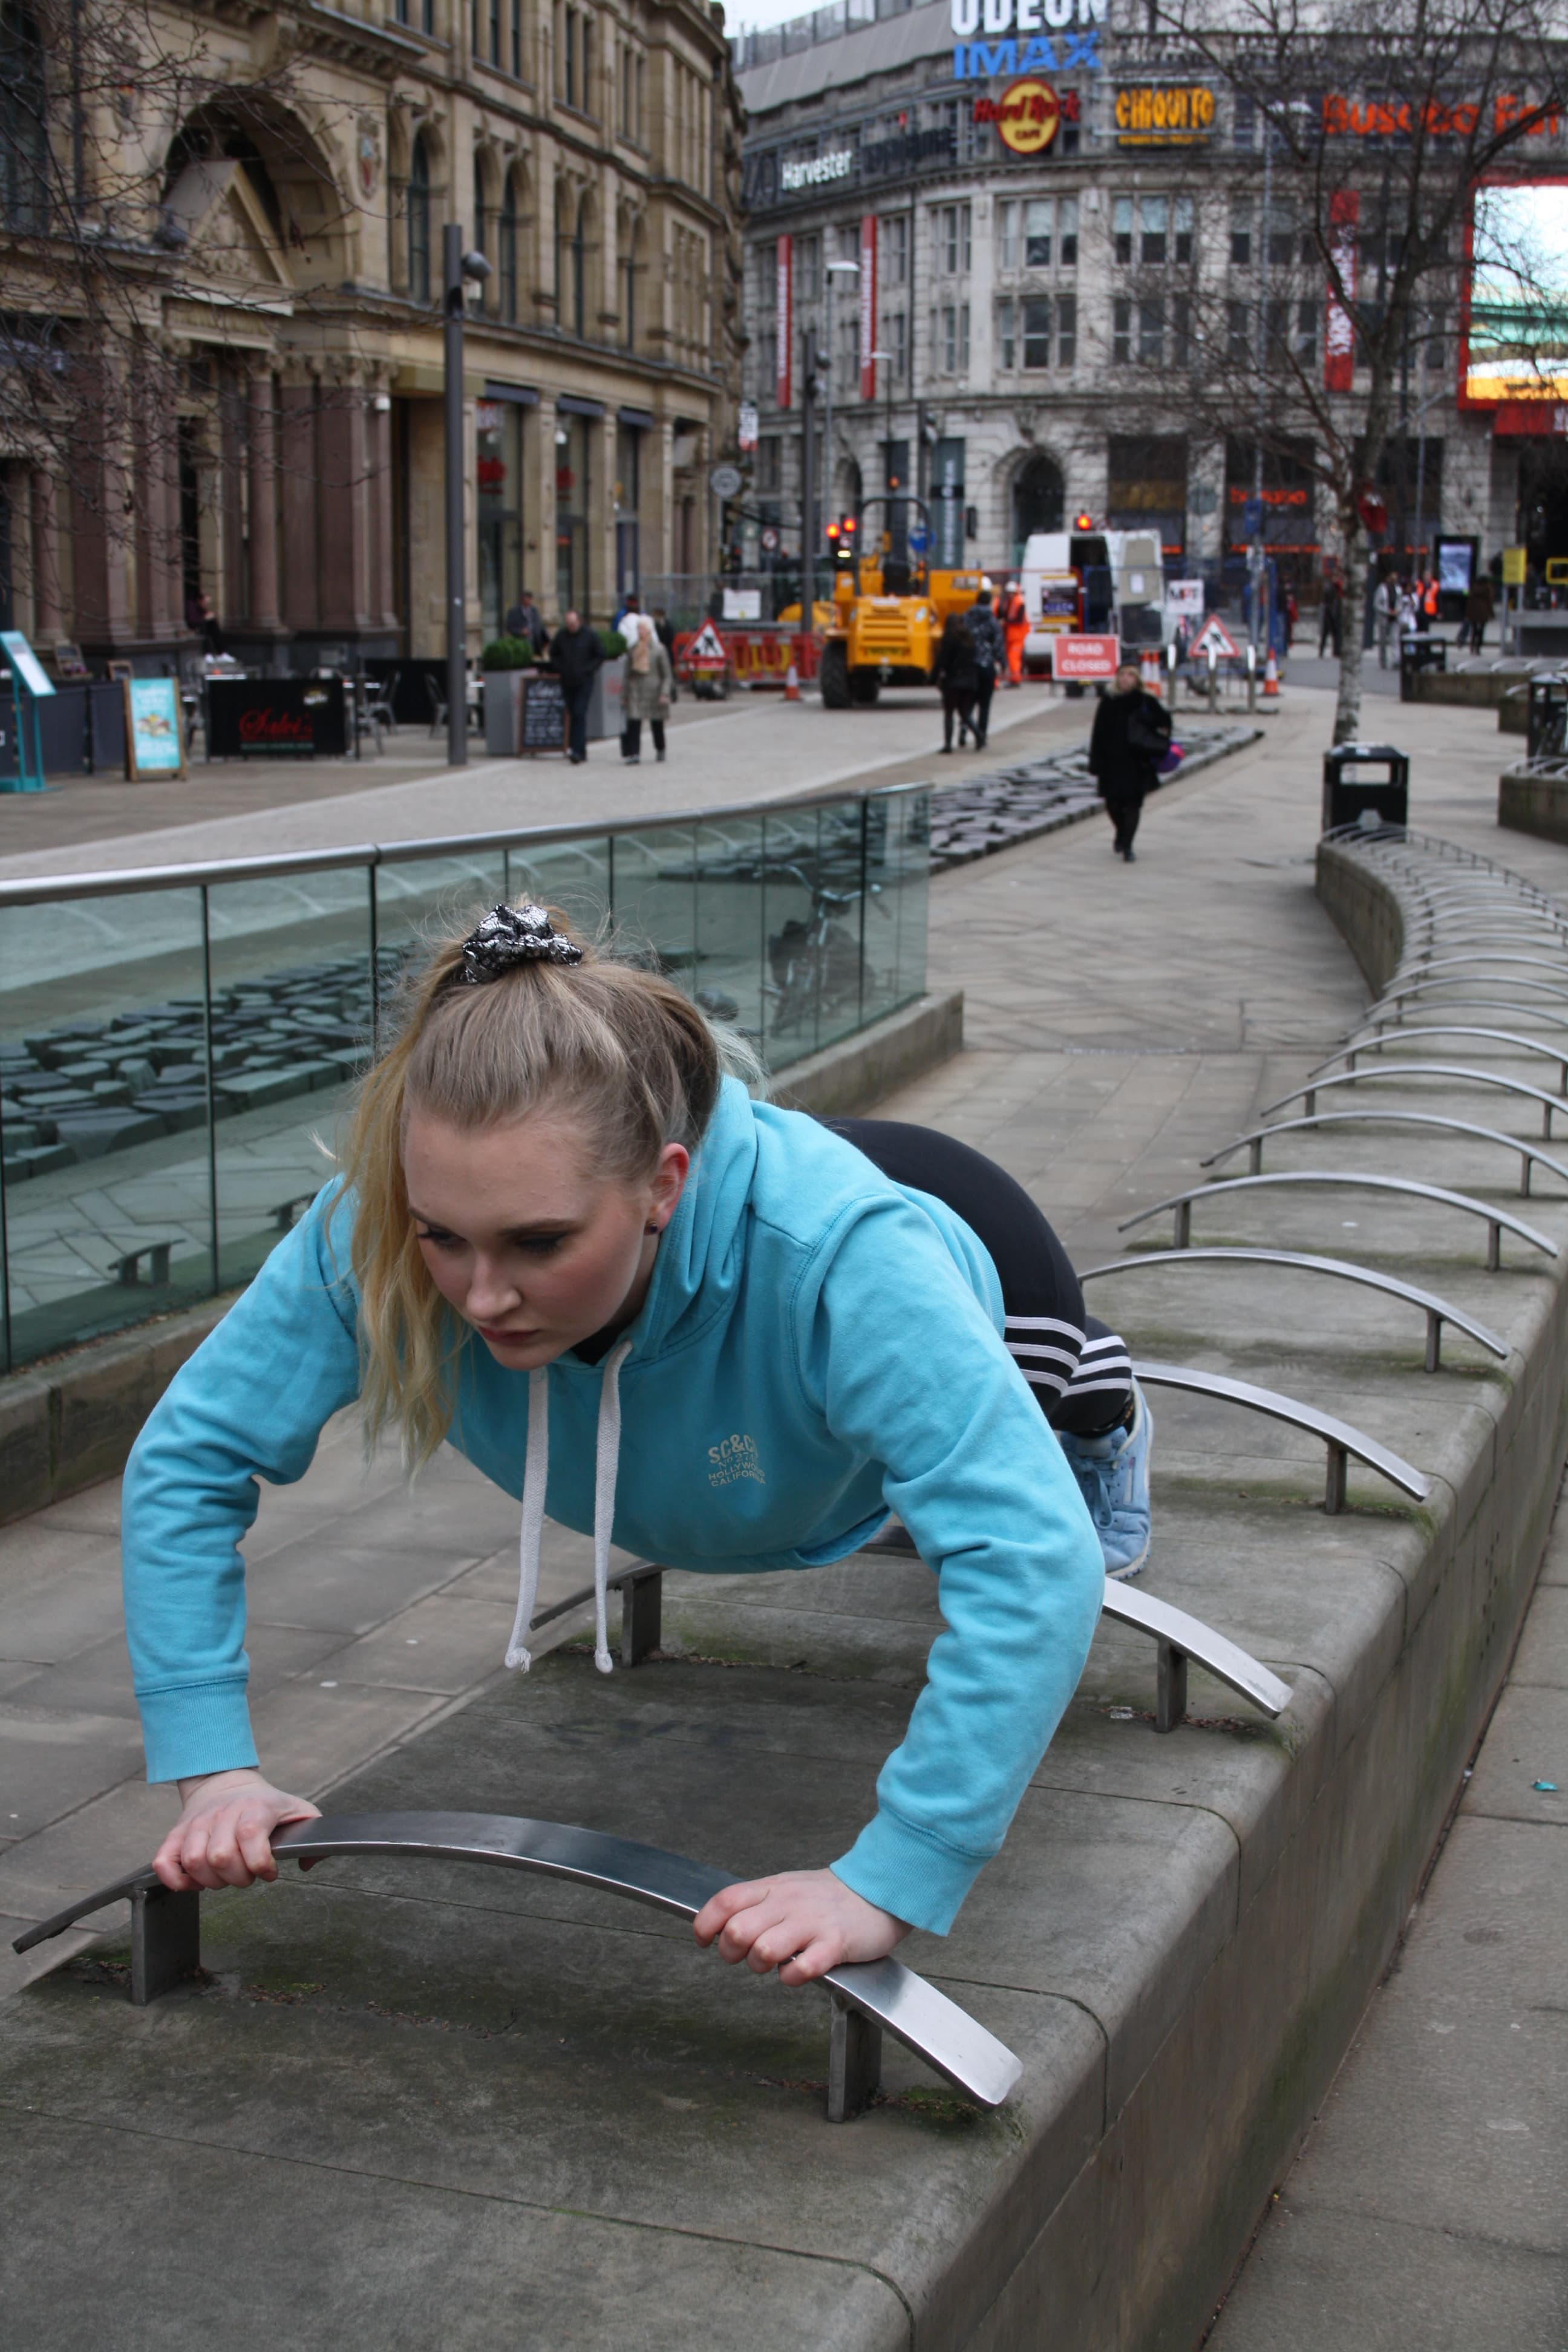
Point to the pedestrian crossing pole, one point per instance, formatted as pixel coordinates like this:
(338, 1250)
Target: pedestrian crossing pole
(456, 268)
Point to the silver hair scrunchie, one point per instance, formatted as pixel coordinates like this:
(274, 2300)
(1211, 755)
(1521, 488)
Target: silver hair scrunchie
(509, 936)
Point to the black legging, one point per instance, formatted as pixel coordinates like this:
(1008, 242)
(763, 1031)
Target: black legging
(1078, 1369)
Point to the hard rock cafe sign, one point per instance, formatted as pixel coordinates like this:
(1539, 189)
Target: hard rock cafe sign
(1026, 115)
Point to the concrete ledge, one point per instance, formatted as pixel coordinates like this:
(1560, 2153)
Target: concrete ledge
(1477, 690)
(1534, 803)
(858, 1071)
(65, 1424)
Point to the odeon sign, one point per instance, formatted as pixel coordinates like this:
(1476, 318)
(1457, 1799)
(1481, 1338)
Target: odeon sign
(1060, 36)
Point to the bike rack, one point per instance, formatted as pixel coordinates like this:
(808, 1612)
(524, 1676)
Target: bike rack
(1366, 1045)
(1378, 1072)
(868, 1998)
(1452, 963)
(1396, 996)
(1253, 1142)
(1340, 1438)
(1436, 1310)
(1497, 1219)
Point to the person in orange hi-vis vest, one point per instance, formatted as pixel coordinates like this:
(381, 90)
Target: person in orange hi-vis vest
(1015, 629)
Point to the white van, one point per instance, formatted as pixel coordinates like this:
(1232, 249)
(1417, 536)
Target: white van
(1122, 589)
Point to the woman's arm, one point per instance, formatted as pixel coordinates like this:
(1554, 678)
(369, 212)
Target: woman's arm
(251, 1402)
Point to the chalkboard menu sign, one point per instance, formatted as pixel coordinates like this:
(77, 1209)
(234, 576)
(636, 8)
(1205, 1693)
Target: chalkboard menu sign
(541, 715)
(302, 715)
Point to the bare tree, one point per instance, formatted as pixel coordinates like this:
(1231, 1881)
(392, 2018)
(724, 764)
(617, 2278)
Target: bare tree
(1321, 323)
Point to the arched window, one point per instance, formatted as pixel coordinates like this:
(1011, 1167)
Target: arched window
(1039, 500)
(481, 217)
(419, 222)
(629, 269)
(506, 251)
(24, 140)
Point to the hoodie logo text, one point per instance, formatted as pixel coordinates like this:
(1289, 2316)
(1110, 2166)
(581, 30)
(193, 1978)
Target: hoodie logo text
(735, 1458)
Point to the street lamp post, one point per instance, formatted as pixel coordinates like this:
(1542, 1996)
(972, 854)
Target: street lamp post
(457, 268)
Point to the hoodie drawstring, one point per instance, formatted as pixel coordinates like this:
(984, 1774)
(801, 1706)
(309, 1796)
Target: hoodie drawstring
(535, 1480)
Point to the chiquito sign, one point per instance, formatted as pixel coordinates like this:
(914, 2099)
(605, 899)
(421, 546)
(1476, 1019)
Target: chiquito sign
(1024, 37)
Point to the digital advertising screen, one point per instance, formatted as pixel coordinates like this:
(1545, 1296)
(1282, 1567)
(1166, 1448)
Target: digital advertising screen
(1515, 343)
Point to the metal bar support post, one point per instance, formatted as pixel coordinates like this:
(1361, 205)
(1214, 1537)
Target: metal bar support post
(457, 588)
(854, 2062)
(165, 1941)
(1170, 1686)
(642, 1600)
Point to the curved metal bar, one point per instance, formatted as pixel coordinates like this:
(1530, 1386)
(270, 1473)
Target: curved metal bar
(1190, 1638)
(1339, 1436)
(1467, 980)
(949, 2040)
(1383, 1019)
(1436, 1310)
(1528, 1152)
(1446, 963)
(1365, 1043)
(1496, 1218)
(1378, 1071)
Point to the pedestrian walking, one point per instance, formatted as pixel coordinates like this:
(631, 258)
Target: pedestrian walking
(1330, 616)
(1132, 733)
(990, 655)
(649, 682)
(1479, 607)
(1385, 616)
(721, 1334)
(1015, 628)
(524, 619)
(954, 672)
(575, 655)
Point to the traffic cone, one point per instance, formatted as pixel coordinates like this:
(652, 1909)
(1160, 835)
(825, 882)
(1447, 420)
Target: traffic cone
(791, 685)
(1270, 676)
(1149, 669)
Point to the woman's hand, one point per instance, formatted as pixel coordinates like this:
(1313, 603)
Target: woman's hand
(802, 1923)
(223, 1838)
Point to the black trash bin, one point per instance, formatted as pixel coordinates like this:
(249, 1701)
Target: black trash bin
(1347, 797)
(1417, 652)
(1547, 722)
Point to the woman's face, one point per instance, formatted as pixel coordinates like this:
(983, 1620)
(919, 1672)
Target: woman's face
(524, 1240)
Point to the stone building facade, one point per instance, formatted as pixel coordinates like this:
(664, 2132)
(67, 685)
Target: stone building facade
(1017, 356)
(270, 217)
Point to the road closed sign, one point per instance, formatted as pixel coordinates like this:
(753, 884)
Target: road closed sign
(1085, 656)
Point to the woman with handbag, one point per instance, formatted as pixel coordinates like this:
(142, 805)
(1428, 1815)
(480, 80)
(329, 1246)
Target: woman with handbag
(1131, 735)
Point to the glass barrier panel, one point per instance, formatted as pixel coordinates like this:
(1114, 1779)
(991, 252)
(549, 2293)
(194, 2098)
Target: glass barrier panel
(419, 900)
(104, 1116)
(655, 901)
(572, 876)
(793, 981)
(292, 1022)
(899, 860)
(727, 926)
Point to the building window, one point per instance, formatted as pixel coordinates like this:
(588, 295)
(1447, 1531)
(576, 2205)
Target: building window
(23, 138)
(1151, 333)
(897, 333)
(629, 299)
(1040, 223)
(770, 475)
(1006, 235)
(954, 348)
(952, 239)
(479, 214)
(580, 271)
(1238, 333)
(1121, 331)
(1243, 122)
(1182, 231)
(1435, 340)
(517, 39)
(494, 30)
(506, 251)
(419, 222)
(1066, 244)
(1181, 331)
(808, 268)
(1006, 332)
(1121, 229)
(498, 432)
(1037, 310)
(768, 365)
(1067, 331)
(1155, 213)
(1241, 235)
(1307, 314)
(893, 249)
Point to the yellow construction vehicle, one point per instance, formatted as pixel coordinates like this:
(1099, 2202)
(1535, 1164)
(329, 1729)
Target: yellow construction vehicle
(888, 611)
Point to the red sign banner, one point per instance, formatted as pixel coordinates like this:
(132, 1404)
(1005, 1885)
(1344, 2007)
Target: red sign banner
(867, 305)
(1339, 338)
(1085, 656)
(784, 254)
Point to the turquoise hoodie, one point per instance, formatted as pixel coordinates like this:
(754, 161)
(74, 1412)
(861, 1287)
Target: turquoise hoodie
(819, 1347)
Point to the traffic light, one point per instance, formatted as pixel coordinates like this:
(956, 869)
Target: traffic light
(841, 537)
(1083, 521)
